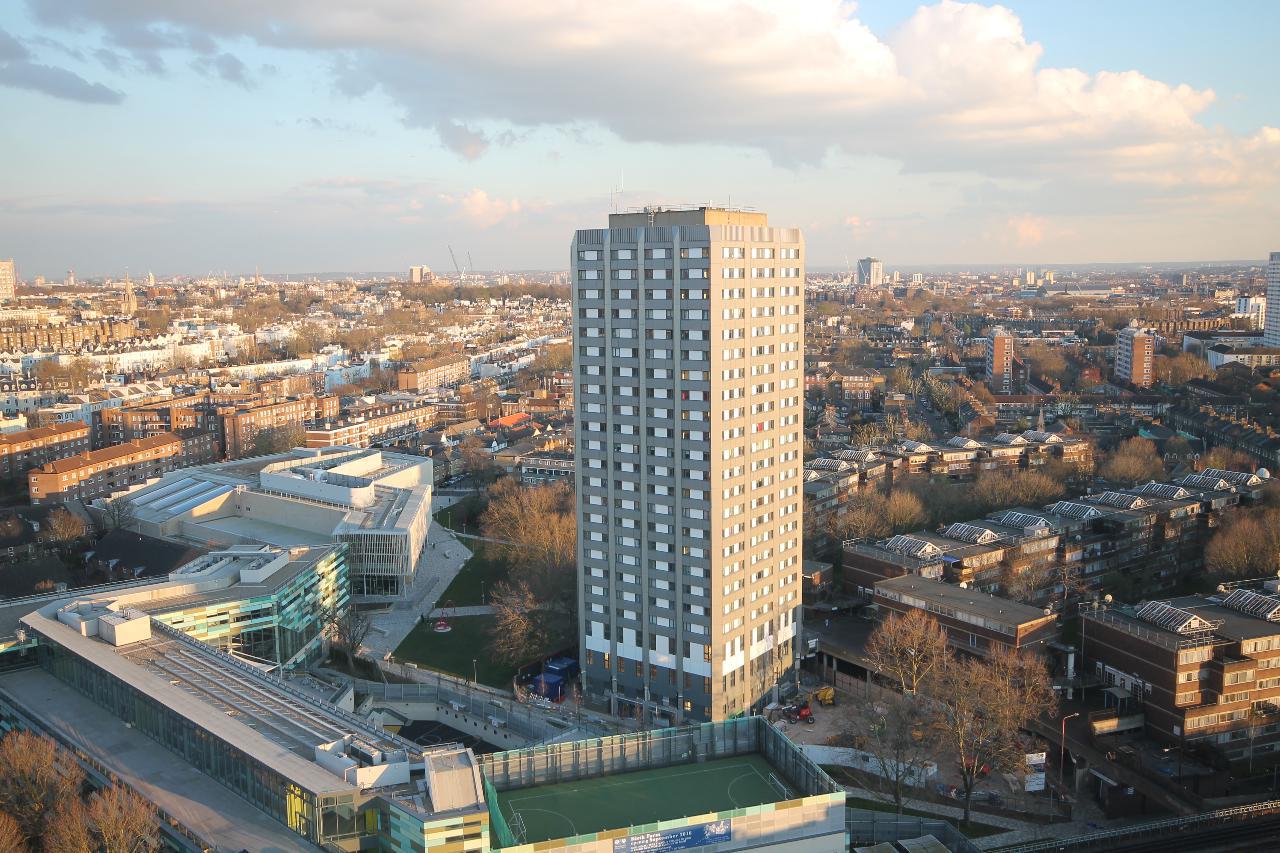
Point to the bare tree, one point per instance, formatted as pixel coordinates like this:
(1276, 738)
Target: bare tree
(521, 628)
(1225, 458)
(477, 461)
(1134, 461)
(982, 706)
(536, 532)
(68, 830)
(346, 628)
(908, 648)
(11, 837)
(65, 527)
(1247, 546)
(904, 511)
(35, 777)
(900, 732)
(117, 514)
(277, 439)
(123, 822)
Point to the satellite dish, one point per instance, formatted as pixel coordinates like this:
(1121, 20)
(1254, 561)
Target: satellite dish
(1107, 598)
(1264, 474)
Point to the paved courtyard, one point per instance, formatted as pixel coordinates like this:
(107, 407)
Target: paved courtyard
(443, 557)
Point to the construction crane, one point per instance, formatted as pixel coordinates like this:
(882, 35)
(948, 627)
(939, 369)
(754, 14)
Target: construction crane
(455, 263)
(471, 266)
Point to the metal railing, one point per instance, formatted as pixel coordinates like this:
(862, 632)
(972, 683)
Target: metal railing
(523, 720)
(1156, 827)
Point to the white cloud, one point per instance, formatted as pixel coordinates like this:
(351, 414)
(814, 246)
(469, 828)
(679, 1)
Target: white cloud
(957, 87)
(1028, 230)
(480, 209)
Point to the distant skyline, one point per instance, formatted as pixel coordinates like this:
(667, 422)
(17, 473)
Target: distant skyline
(325, 135)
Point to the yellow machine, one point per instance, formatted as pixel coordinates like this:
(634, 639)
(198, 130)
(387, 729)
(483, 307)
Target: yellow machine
(824, 695)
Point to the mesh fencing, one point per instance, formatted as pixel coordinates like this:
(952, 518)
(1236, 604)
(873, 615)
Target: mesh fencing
(584, 759)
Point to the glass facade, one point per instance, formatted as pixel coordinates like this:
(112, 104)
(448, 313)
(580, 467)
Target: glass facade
(278, 796)
(277, 627)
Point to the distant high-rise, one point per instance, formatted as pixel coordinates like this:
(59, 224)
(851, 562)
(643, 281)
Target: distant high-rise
(1000, 361)
(870, 272)
(1271, 333)
(417, 275)
(917, 278)
(8, 280)
(689, 359)
(1135, 356)
(70, 280)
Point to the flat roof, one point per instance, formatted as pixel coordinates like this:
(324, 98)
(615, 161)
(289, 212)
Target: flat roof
(231, 700)
(200, 803)
(954, 597)
(1235, 625)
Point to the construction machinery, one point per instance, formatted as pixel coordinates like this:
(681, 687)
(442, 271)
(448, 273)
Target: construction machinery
(825, 695)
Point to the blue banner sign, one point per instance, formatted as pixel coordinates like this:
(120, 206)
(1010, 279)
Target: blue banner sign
(675, 839)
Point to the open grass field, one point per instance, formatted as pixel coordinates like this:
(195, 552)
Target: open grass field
(477, 578)
(641, 797)
(453, 652)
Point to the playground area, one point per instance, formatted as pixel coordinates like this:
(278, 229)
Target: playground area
(641, 797)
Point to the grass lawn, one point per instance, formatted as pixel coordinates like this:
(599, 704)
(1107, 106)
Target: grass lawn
(479, 575)
(453, 652)
(22, 578)
(464, 515)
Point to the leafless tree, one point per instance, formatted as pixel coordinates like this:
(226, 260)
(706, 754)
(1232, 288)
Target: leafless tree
(900, 732)
(117, 514)
(123, 822)
(65, 527)
(277, 439)
(347, 628)
(477, 461)
(35, 777)
(1226, 458)
(521, 627)
(909, 648)
(1134, 461)
(535, 531)
(1248, 545)
(982, 706)
(68, 830)
(11, 837)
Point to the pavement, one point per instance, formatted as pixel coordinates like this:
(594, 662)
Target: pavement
(443, 556)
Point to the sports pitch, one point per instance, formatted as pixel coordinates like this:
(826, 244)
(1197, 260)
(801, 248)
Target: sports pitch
(640, 797)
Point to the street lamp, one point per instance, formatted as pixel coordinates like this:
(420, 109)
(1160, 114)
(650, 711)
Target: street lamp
(475, 679)
(1062, 749)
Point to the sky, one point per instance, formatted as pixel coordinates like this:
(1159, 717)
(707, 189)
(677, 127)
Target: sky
(184, 137)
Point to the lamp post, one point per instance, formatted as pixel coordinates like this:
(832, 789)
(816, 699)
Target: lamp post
(474, 678)
(1062, 749)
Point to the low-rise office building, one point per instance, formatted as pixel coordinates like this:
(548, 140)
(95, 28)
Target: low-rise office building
(975, 622)
(377, 502)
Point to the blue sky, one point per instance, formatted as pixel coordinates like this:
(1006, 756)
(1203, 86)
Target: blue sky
(324, 135)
